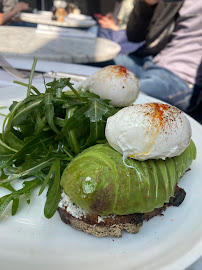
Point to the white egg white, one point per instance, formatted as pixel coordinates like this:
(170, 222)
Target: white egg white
(115, 83)
(149, 131)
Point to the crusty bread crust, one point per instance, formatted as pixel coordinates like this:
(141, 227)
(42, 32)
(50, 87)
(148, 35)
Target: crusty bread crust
(110, 226)
(114, 225)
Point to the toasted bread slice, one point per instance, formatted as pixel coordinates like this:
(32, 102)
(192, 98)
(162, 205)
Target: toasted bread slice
(108, 226)
(111, 225)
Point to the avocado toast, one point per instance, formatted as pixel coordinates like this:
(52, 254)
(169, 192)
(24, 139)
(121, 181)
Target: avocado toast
(112, 196)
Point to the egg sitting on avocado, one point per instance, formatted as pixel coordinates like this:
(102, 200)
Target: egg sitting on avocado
(115, 83)
(113, 187)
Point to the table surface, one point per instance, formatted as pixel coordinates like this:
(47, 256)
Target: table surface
(25, 42)
(44, 17)
(7, 80)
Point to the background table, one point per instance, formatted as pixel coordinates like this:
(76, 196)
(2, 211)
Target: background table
(44, 17)
(25, 42)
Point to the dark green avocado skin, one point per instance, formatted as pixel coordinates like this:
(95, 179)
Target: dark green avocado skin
(98, 181)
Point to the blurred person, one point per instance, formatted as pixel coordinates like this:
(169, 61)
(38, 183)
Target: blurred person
(119, 18)
(113, 26)
(9, 9)
(168, 65)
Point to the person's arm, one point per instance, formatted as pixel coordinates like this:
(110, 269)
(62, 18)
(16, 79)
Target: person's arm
(140, 19)
(6, 17)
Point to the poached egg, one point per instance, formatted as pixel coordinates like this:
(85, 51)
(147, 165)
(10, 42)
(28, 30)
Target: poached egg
(115, 83)
(148, 131)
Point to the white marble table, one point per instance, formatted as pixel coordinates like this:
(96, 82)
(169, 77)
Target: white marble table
(44, 17)
(25, 42)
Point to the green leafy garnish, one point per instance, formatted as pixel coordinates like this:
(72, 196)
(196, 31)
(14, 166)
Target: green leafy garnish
(15, 195)
(2, 107)
(42, 134)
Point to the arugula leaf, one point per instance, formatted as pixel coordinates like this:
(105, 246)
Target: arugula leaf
(26, 110)
(15, 195)
(76, 93)
(96, 110)
(3, 107)
(4, 148)
(49, 111)
(45, 131)
(54, 192)
(72, 139)
(56, 86)
(7, 124)
(15, 204)
(29, 172)
(32, 87)
(14, 141)
(40, 122)
(96, 133)
(73, 122)
(7, 186)
(31, 77)
(29, 147)
(52, 171)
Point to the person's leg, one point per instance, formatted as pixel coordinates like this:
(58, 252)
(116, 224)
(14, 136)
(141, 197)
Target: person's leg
(131, 62)
(196, 98)
(165, 85)
(195, 106)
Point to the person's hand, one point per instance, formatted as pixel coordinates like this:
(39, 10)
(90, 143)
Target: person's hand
(107, 23)
(20, 6)
(110, 16)
(151, 2)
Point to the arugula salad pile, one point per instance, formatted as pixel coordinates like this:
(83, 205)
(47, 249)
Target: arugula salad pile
(42, 134)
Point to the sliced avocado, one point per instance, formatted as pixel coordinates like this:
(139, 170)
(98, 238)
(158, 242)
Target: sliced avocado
(98, 180)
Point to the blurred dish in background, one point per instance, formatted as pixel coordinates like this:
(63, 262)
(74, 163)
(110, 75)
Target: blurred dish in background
(60, 12)
(71, 20)
(60, 4)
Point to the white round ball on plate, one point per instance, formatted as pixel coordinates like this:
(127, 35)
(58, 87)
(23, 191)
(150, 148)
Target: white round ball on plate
(115, 83)
(149, 131)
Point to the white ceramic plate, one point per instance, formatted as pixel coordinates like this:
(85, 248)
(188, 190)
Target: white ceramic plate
(173, 241)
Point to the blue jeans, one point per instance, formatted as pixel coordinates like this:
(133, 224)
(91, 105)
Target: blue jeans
(156, 81)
